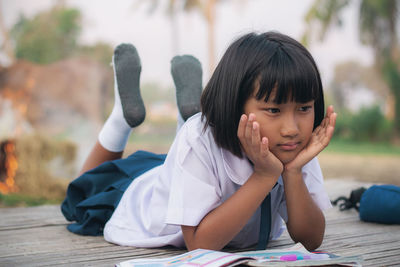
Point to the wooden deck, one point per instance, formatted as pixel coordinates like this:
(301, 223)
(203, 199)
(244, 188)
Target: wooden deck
(37, 236)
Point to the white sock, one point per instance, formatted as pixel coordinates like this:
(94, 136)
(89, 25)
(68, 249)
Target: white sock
(128, 111)
(115, 132)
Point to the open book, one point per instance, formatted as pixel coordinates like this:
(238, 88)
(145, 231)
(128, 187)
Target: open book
(296, 255)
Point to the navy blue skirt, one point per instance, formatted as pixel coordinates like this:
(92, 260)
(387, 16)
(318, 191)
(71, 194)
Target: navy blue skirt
(92, 197)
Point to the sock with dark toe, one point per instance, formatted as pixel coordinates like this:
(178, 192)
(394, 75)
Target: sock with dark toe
(128, 110)
(187, 75)
(127, 68)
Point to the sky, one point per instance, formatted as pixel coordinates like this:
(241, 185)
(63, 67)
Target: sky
(129, 21)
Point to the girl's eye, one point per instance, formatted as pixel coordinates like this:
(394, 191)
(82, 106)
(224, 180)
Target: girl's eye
(273, 110)
(305, 108)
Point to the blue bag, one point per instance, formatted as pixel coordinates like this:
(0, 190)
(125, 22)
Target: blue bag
(379, 203)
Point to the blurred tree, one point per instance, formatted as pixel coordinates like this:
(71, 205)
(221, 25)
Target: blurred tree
(207, 8)
(6, 45)
(53, 35)
(351, 75)
(47, 37)
(378, 21)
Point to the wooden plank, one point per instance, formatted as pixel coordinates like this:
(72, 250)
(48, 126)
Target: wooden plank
(37, 236)
(16, 218)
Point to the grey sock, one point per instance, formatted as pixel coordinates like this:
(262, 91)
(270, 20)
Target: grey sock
(127, 69)
(187, 74)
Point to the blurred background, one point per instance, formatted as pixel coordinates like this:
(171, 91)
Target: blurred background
(56, 82)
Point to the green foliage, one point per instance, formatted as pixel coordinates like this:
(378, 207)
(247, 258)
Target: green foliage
(47, 37)
(18, 200)
(391, 74)
(326, 13)
(378, 28)
(53, 35)
(368, 124)
(343, 122)
(346, 146)
(376, 23)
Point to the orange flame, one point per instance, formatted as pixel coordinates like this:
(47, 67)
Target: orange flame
(10, 166)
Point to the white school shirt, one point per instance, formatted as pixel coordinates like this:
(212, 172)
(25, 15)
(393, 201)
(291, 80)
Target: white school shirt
(196, 177)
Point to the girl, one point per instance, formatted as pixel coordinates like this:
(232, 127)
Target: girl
(254, 143)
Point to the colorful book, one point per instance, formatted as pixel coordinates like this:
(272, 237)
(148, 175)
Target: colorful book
(296, 255)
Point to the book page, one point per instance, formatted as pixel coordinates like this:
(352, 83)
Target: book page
(297, 255)
(198, 257)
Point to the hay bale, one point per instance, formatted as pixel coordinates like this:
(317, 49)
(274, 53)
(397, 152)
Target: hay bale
(45, 166)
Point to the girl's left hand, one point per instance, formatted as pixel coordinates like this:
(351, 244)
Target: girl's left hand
(320, 139)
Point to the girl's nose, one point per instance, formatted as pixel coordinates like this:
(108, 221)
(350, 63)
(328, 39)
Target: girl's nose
(289, 126)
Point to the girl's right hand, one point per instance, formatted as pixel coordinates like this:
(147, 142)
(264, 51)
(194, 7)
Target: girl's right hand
(266, 164)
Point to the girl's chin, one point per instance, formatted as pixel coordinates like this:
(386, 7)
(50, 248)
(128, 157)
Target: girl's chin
(287, 157)
(285, 161)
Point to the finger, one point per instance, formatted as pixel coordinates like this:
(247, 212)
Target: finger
(329, 112)
(317, 130)
(328, 133)
(330, 122)
(255, 137)
(264, 147)
(242, 127)
(324, 122)
(249, 128)
(325, 140)
(332, 119)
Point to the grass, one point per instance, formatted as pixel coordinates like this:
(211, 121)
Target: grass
(362, 148)
(159, 142)
(20, 200)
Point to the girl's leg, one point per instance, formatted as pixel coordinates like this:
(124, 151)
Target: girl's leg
(128, 111)
(187, 75)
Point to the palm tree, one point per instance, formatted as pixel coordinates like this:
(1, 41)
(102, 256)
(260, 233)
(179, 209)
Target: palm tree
(206, 8)
(377, 28)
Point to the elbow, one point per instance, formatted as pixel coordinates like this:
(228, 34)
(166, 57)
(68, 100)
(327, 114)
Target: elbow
(190, 248)
(310, 235)
(311, 245)
(195, 245)
(194, 241)
(311, 240)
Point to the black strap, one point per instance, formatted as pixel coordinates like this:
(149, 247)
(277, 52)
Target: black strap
(265, 224)
(352, 202)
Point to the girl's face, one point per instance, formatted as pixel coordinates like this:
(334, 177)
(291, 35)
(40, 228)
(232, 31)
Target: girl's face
(288, 126)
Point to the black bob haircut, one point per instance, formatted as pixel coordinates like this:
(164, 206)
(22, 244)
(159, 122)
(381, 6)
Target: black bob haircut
(264, 61)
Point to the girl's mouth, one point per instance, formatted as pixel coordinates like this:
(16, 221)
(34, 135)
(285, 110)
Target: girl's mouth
(290, 146)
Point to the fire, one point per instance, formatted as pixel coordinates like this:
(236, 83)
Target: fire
(8, 167)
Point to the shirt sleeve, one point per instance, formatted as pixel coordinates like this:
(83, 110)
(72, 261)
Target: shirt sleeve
(194, 187)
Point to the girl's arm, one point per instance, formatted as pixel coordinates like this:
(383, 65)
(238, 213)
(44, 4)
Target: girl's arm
(306, 222)
(223, 223)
